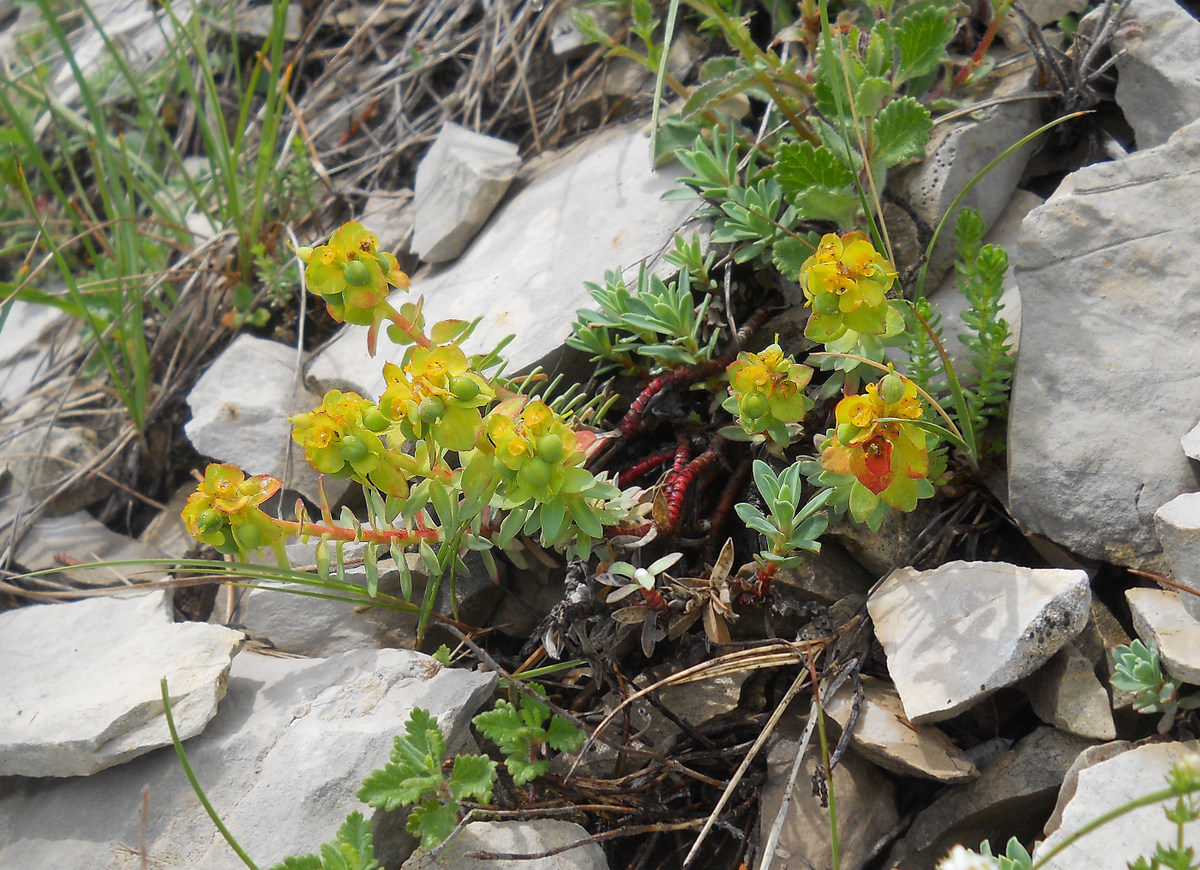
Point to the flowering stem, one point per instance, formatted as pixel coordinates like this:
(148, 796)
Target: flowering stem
(376, 536)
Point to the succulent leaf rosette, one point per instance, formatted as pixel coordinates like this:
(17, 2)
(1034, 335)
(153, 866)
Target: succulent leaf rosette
(224, 511)
(875, 443)
(353, 277)
(767, 392)
(342, 438)
(846, 282)
(437, 396)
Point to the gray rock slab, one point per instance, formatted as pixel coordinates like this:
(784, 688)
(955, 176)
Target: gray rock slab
(1013, 796)
(1191, 443)
(80, 682)
(240, 408)
(1158, 69)
(1109, 347)
(36, 460)
(1178, 526)
(863, 793)
(1097, 788)
(514, 838)
(64, 542)
(460, 180)
(956, 152)
(280, 762)
(883, 735)
(956, 634)
(1067, 694)
(1159, 616)
(597, 208)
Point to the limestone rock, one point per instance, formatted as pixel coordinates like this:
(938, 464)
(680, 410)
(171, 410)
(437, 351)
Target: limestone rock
(1006, 622)
(596, 208)
(281, 761)
(1013, 796)
(23, 353)
(1075, 474)
(518, 838)
(36, 459)
(459, 181)
(1158, 70)
(81, 682)
(1178, 526)
(955, 153)
(1159, 615)
(864, 794)
(1191, 443)
(882, 735)
(1096, 788)
(1067, 694)
(57, 542)
(240, 408)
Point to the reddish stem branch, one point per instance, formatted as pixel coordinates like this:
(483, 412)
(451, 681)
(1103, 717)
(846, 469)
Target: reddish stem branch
(651, 462)
(985, 43)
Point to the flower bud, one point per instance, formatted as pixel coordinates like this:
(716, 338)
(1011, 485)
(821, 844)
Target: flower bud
(357, 273)
(847, 432)
(209, 520)
(431, 409)
(891, 388)
(374, 420)
(247, 536)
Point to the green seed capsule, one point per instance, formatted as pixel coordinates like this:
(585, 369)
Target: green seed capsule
(550, 447)
(431, 409)
(826, 304)
(248, 537)
(209, 520)
(464, 389)
(536, 471)
(357, 273)
(375, 421)
(754, 405)
(847, 432)
(891, 388)
(353, 449)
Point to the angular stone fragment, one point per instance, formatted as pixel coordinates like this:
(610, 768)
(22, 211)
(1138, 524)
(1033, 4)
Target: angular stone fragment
(1066, 694)
(1007, 622)
(240, 408)
(1159, 616)
(80, 682)
(883, 735)
(1191, 443)
(1158, 69)
(1093, 789)
(281, 761)
(516, 838)
(1012, 797)
(459, 181)
(1178, 526)
(1109, 308)
(66, 543)
(595, 208)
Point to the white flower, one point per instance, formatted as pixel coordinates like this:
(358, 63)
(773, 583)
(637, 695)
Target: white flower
(961, 858)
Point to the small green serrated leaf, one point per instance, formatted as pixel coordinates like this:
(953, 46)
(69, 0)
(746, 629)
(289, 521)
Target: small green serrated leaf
(564, 736)
(789, 255)
(800, 166)
(433, 823)
(522, 770)
(900, 132)
(472, 777)
(922, 38)
(299, 862)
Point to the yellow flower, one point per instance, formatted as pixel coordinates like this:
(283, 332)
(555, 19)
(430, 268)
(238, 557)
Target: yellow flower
(846, 282)
(767, 392)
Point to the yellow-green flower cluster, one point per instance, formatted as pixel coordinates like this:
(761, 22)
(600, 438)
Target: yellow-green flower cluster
(846, 282)
(224, 511)
(875, 442)
(537, 455)
(353, 277)
(767, 392)
(436, 396)
(342, 438)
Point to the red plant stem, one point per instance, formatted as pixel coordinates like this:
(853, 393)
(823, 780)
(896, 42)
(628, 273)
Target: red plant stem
(683, 453)
(678, 485)
(760, 584)
(977, 57)
(725, 505)
(632, 420)
(651, 462)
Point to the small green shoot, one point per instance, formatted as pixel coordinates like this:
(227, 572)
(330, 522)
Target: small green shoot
(524, 732)
(1138, 669)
